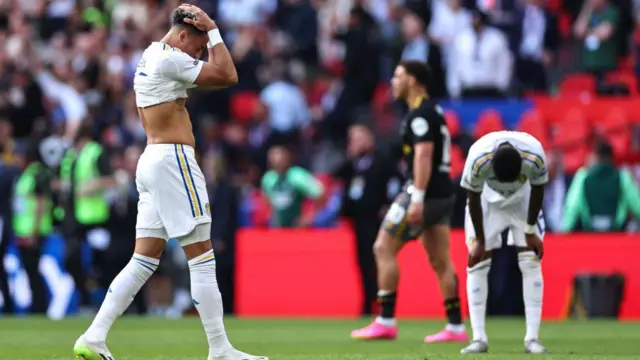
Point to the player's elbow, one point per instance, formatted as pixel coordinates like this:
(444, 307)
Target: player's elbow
(217, 78)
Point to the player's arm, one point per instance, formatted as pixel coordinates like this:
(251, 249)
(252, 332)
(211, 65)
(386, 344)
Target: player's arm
(538, 177)
(311, 188)
(422, 135)
(473, 181)
(219, 71)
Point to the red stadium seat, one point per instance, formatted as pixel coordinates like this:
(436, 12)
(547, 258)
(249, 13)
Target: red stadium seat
(572, 136)
(488, 121)
(616, 129)
(457, 162)
(577, 85)
(243, 105)
(627, 78)
(453, 122)
(572, 131)
(533, 123)
(261, 209)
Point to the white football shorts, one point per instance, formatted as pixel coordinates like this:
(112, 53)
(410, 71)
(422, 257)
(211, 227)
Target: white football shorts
(500, 216)
(173, 192)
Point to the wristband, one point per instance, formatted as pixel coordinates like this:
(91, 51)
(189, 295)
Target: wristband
(214, 38)
(417, 196)
(529, 229)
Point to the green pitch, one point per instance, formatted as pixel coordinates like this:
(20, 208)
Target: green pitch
(159, 339)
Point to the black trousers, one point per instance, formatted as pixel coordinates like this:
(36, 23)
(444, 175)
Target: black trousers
(4, 279)
(531, 74)
(31, 261)
(366, 231)
(76, 237)
(225, 273)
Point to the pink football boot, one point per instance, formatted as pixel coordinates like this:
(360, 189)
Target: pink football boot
(376, 331)
(447, 335)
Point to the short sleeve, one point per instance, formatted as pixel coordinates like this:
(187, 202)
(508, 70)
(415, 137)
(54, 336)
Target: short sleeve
(476, 168)
(180, 67)
(421, 127)
(538, 172)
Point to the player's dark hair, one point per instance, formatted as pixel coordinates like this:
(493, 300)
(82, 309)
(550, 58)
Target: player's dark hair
(506, 163)
(177, 19)
(419, 70)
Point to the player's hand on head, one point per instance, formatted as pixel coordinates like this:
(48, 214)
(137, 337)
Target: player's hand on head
(202, 21)
(534, 243)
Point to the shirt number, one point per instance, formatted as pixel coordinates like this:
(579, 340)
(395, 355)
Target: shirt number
(445, 165)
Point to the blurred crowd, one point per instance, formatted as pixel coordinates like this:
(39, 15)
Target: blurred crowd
(308, 71)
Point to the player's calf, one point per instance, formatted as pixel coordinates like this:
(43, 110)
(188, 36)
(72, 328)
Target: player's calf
(120, 295)
(477, 291)
(532, 290)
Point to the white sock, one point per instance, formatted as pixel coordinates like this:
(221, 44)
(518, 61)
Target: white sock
(532, 287)
(120, 295)
(207, 299)
(477, 291)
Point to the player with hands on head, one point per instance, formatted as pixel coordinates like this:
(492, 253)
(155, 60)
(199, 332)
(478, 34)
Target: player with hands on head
(173, 194)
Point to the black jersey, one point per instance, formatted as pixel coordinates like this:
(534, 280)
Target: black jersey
(426, 123)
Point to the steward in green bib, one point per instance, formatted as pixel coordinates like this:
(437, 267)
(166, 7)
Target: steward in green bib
(601, 197)
(32, 217)
(287, 187)
(85, 176)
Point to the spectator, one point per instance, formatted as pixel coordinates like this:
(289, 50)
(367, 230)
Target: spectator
(371, 182)
(601, 197)
(449, 18)
(224, 203)
(596, 28)
(33, 212)
(287, 105)
(538, 40)
(286, 187)
(481, 63)
(122, 227)
(361, 71)
(416, 43)
(298, 18)
(414, 25)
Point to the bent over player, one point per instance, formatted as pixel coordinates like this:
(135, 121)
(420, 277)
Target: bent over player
(423, 209)
(173, 195)
(505, 175)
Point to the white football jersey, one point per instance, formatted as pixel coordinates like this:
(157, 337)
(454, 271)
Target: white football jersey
(164, 73)
(478, 173)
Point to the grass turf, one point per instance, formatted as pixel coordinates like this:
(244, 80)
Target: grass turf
(151, 338)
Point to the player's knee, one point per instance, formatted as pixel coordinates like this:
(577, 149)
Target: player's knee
(196, 242)
(383, 249)
(440, 264)
(480, 268)
(529, 263)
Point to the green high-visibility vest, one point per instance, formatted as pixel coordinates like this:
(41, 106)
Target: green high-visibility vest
(25, 206)
(92, 209)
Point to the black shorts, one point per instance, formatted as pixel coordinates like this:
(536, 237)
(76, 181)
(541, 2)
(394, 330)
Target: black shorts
(436, 212)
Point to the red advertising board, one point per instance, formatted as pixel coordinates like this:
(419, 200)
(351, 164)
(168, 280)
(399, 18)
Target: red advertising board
(313, 273)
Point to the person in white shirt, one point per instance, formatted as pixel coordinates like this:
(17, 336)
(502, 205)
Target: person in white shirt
(449, 19)
(505, 175)
(481, 63)
(173, 195)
